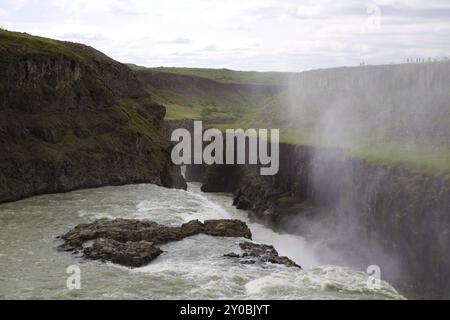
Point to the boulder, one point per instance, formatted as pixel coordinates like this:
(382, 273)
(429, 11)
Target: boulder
(227, 228)
(261, 253)
(130, 254)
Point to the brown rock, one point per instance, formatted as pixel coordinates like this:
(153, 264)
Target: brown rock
(192, 227)
(133, 242)
(131, 254)
(261, 253)
(227, 228)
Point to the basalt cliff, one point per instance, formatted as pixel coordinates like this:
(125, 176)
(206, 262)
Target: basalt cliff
(71, 117)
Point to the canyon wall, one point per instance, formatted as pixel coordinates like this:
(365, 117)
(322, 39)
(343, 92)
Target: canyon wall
(356, 213)
(70, 117)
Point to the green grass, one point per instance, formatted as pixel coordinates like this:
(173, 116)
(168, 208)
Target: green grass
(427, 159)
(176, 112)
(23, 43)
(201, 101)
(140, 125)
(423, 158)
(227, 75)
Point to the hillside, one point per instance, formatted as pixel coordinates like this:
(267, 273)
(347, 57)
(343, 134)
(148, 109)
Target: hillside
(394, 114)
(188, 96)
(70, 117)
(225, 75)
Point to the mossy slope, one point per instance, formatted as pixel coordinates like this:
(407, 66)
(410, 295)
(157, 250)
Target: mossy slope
(70, 117)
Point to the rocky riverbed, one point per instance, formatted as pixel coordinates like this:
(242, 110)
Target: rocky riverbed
(134, 243)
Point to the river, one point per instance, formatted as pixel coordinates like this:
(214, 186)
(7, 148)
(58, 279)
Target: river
(32, 268)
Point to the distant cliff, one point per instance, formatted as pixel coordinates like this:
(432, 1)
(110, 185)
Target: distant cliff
(70, 117)
(188, 96)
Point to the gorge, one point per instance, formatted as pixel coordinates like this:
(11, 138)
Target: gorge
(363, 179)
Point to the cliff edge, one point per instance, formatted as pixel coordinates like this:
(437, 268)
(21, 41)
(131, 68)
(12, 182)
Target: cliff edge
(71, 117)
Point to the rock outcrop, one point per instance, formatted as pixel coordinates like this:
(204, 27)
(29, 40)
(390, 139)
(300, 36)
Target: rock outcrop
(261, 253)
(71, 117)
(130, 253)
(134, 243)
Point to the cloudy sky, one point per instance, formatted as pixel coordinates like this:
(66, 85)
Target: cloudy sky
(280, 35)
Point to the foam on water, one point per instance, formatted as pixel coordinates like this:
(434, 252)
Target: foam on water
(194, 268)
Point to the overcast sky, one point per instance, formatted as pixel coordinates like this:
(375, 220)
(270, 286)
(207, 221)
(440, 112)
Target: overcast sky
(279, 35)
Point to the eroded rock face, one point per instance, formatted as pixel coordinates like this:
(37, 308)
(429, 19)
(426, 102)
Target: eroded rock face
(134, 243)
(130, 253)
(261, 253)
(72, 118)
(227, 228)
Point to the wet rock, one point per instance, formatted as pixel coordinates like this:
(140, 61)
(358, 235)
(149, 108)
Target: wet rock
(124, 230)
(192, 227)
(227, 228)
(261, 253)
(134, 242)
(231, 255)
(244, 204)
(130, 254)
(121, 230)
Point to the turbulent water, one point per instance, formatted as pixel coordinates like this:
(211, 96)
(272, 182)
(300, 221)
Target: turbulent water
(194, 268)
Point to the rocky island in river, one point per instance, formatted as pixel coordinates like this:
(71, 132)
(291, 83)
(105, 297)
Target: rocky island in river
(134, 243)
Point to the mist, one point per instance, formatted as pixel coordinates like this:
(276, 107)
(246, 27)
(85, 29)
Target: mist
(367, 124)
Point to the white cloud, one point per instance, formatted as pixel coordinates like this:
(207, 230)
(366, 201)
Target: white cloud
(3, 13)
(253, 34)
(309, 11)
(179, 40)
